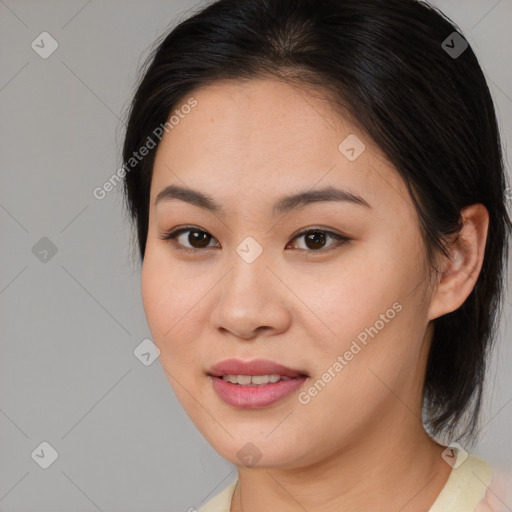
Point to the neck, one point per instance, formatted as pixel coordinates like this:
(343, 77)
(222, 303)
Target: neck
(388, 471)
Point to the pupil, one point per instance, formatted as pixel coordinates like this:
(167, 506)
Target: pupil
(200, 234)
(311, 236)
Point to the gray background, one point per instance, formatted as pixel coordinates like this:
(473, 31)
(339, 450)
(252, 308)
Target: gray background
(69, 325)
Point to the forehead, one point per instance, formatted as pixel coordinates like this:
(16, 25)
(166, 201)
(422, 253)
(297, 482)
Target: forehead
(252, 119)
(260, 136)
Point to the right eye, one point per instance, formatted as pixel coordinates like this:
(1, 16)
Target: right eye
(197, 238)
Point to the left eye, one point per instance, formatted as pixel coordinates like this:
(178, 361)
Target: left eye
(316, 238)
(199, 239)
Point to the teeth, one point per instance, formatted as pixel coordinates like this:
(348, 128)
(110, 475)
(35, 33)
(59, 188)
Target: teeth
(251, 380)
(242, 379)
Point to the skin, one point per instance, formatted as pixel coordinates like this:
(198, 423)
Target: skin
(359, 444)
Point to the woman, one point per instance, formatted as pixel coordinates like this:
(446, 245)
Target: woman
(320, 214)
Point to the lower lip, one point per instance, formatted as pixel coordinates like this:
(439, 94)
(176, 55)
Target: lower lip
(255, 396)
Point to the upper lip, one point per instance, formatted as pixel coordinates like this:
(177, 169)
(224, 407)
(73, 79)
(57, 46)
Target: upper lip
(254, 367)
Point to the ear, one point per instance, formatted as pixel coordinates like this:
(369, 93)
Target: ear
(459, 272)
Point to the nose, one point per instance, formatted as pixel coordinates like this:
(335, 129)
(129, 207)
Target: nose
(252, 301)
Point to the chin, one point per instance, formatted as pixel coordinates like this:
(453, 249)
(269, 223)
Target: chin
(259, 453)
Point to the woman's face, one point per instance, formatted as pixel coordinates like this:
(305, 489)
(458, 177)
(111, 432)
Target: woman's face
(347, 317)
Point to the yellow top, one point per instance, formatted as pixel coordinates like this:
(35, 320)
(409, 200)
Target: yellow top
(464, 489)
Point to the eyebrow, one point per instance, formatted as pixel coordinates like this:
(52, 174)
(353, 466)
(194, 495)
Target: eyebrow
(283, 205)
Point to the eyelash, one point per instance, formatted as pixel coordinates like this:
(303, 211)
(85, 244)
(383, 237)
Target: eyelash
(171, 235)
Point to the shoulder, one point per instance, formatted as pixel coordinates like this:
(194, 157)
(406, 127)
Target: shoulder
(466, 486)
(221, 502)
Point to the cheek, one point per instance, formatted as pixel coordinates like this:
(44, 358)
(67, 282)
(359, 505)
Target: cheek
(165, 297)
(174, 311)
(380, 329)
(155, 294)
(371, 302)
(351, 296)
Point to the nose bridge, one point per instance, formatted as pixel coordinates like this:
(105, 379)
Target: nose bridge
(249, 298)
(249, 268)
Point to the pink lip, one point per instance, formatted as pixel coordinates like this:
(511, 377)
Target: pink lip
(254, 367)
(254, 396)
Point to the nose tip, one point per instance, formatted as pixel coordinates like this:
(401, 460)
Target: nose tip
(249, 304)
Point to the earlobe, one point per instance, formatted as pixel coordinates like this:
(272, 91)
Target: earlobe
(460, 271)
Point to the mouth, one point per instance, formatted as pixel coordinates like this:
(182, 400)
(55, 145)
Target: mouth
(255, 368)
(254, 380)
(254, 384)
